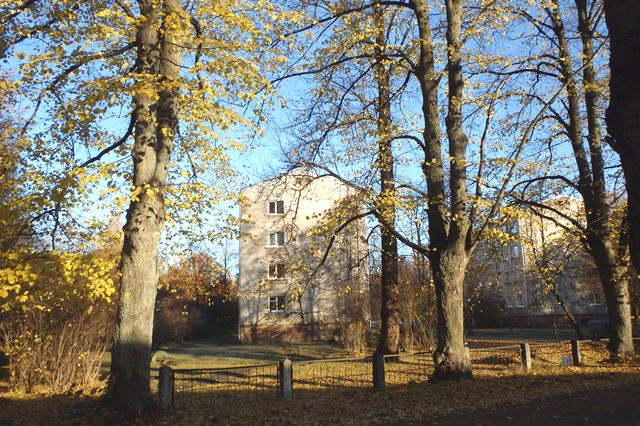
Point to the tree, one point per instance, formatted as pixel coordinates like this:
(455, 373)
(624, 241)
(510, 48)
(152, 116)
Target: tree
(196, 298)
(451, 210)
(581, 97)
(156, 123)
(624, 105)
(185, 76)
(355, 87)
(389, 281)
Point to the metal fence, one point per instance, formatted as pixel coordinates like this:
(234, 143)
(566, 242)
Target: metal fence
(551, 354)
(256, 380)
(270, 380)
(407, 368)
(332, 374)
(496, 358)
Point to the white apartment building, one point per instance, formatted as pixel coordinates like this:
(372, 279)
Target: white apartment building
(290, 286)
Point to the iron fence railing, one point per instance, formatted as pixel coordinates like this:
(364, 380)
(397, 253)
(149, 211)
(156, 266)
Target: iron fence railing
(551, 354)
(332, 374)
(260, 379)
(495, 358)
(406, 368)
(365, 372)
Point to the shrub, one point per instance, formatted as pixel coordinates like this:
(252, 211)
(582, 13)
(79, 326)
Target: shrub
(485, 312)
(353, 336)
(56, 318)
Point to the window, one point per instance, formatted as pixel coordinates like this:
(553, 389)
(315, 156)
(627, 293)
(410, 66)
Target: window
(276, 239)
(516, 250)
(276, 304)
(276, 207)
(520, 300)
(276, 272)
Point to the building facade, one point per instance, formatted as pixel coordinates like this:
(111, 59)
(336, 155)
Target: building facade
(299, 279)
(539, 268)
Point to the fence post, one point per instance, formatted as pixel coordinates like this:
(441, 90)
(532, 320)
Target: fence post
(165, 387)
(525, 355)
(575, 352)
(285, 389)
(378, 370)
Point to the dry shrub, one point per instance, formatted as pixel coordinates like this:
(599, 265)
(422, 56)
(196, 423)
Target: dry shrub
(57, 318)
(416, 305)
(170, 322)
(354, 337)
(57, 353)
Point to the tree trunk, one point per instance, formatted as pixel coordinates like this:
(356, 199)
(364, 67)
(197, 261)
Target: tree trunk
(156, 125)
(451, 358)
(448, 227)
(390, 291)
(620, 328)
(624, 105)
(567, 313)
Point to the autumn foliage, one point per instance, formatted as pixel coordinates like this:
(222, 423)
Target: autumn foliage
(196, 298)
(57, 316)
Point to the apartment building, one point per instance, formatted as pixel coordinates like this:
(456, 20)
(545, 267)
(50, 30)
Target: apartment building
(539, 265)
(299, 279)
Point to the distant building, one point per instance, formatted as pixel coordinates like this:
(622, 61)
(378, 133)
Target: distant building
(286, 291)
(540, 262)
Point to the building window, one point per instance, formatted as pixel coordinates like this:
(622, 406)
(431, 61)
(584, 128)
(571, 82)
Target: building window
(276, 207)
(516, 250)
(520, 300)
(276, 272)
(276, 239)
(276, 304)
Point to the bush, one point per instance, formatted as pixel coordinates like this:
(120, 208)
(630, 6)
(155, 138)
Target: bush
(353, 336)
(171, 321)
(56, 319)
(485, 313)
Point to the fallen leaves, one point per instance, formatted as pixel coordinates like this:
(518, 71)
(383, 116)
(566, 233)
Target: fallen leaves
(410, 402)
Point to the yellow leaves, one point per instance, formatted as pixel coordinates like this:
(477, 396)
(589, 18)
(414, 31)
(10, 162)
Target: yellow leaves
(56, 280)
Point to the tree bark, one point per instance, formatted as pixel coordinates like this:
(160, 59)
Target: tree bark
(622, 114)
(451, 358)
(156, 123)
(390, 290)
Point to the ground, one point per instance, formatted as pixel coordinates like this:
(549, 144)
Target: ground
(598, 393)
(618, 406)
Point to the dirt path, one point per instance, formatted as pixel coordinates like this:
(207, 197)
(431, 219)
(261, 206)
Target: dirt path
(618, 407)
